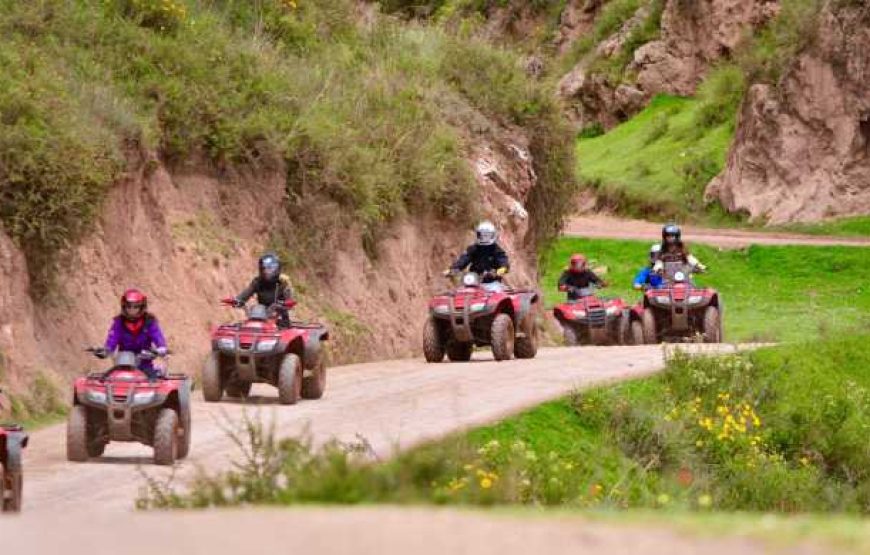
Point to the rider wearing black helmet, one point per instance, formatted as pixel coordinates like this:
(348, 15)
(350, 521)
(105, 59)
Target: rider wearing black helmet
(271, 286)
(674, 250)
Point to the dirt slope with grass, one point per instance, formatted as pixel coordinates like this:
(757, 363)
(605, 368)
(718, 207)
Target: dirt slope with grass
(390, 405)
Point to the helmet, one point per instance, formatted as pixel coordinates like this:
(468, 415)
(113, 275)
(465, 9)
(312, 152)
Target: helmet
(578, 263)
(133, 304)
(270, 267)
(654, 251)
(671, 230)
(486, 233)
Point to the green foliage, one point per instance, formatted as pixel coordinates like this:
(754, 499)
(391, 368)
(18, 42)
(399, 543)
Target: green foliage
(720, 96)
(664, 138)
(613, 15)
(853, 226)
(770, 293)
(161, 15)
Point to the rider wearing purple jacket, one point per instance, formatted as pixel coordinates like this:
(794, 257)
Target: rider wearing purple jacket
(136, 330)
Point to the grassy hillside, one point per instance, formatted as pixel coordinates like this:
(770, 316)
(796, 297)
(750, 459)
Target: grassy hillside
(769, 292)
(373, 116)
(781, 429)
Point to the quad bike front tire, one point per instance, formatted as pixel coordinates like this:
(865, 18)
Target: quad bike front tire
(166, 437)
(77, 434)
(712, 325)
(212, 388)
(527, 346)
(459, 352)
(313, 386)
(290, 380)
(569, 334)
(637, 337)
(648, 322)
(185, 423)
(12, 490)
(502, 337)
(434, 346)
(623, 331)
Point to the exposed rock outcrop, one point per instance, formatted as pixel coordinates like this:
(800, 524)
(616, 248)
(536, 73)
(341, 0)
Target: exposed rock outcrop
(802, 148)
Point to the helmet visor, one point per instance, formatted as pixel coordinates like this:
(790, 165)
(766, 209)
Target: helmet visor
(269, 268)
(485, 236)
(133, 309)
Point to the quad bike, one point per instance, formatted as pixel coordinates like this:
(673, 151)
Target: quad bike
(678, 310)
(593, 320)
(13, 440)
(124, 404)
(266, 347)
(481, 314)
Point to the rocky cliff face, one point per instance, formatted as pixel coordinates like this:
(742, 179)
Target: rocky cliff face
(802, 148)
(693, 36)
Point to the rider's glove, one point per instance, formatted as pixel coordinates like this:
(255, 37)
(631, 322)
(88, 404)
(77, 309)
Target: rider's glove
(501, 271)
(447, 272)
(237, 303)
(101, 352)
(161, 351)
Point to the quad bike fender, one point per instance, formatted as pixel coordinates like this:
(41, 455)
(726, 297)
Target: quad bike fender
(183, 396)
(524, 308)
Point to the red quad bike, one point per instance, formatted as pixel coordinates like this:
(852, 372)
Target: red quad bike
(481, 314)
(679, 310)
(123, 404)
(594, 320)
(13, 440)
(258, 349)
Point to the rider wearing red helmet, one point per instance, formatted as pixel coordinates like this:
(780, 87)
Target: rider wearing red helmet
(577, 277)
(135, 330)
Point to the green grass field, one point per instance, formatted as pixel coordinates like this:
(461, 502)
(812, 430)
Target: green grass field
(658, 161)
(858, 226)
(770, 293)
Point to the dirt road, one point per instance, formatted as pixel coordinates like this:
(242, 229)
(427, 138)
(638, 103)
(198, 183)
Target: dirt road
(391, 404)
(619, 228)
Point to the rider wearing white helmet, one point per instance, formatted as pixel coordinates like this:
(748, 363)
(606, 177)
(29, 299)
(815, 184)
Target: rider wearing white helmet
(646, 278)
(485, 256)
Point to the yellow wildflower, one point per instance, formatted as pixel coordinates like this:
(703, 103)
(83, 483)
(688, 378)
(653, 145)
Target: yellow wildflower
(485, 483)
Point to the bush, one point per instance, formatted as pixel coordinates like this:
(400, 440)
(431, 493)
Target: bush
(720, 96)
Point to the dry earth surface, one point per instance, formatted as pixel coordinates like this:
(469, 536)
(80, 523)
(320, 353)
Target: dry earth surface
(610, 227)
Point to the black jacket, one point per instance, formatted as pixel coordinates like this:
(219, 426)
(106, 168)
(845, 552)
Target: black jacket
(574, 281)
(482, 258)
(267, 293)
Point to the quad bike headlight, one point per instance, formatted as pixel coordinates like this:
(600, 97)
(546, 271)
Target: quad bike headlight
(612, 311)
(580, 313)
(227, 343)
(695, 299)
(266, 345)
(442, 309)
(96, 396)
(663, 299)
(143, 397)
(477, 307)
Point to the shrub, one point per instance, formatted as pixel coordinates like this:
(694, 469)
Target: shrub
(720, 96)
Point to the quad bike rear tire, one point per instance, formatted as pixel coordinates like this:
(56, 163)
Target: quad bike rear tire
(290, 380)
(712, 325)
(623, 331)
(11, 490)
(502, 337)
(314, 386)
(166, 437)
(637, 337)
(527, 346)
(434, 346)
(648, 321)
(569, 333)
(239, 389)
(185, 422)
(459, 352)
(77, 434)
(212, 388)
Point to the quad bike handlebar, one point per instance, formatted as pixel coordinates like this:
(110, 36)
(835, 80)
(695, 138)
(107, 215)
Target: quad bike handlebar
(147, 354)
(233, 302)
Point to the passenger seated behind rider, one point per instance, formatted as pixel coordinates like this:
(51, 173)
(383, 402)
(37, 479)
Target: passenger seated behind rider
(135, 330)
(270, 286)
(484, 257)
(577, 277)
(646, 278)
(674, 250)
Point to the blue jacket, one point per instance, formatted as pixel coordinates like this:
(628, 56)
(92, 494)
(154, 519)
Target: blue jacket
(647, 277)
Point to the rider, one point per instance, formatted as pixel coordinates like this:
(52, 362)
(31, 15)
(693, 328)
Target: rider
(646, 278)
(674, 250)
(577, 277)
(135, 330)
(271, 287)
(484, 257)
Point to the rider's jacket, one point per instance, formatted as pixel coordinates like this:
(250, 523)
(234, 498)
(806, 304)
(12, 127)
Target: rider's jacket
(482, 258)
(647, 277)
(135, 337)
(572, 282)
(268, 293)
